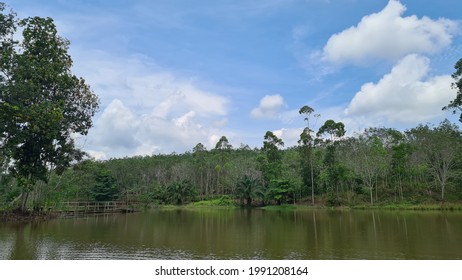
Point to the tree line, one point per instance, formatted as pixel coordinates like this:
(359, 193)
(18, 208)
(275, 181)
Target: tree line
(376, 166)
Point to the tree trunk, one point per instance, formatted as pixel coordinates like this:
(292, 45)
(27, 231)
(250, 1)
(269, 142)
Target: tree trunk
(249, 201)
(312, 180)
(372, 202)
(24, 198)
(442, 191)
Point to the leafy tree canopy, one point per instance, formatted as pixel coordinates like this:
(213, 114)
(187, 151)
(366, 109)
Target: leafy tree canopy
(223, 144)
(334, 129)
(456, 104)
(42, 104)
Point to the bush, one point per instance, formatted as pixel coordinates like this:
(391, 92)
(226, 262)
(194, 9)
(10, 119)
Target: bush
(221, 201)
(333, 201)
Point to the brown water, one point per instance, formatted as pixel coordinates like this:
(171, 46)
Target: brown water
(239, 234)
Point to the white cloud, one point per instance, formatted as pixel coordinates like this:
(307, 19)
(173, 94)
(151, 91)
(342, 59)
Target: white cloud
(116, 127)
(168, 94)
(289, 136)
(148, 110)
(97, 155)
(121, 132)
(388, 35)
(269, 108)
(405, 95)
(220, 123)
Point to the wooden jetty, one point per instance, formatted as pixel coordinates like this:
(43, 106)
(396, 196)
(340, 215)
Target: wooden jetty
(80, 208)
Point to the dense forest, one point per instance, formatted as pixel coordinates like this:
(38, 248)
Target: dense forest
(377, 166)
(42, 104)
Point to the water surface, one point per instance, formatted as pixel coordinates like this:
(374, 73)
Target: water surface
(239, 234)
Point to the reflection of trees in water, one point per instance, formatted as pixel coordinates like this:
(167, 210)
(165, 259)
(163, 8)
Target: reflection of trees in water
(24, 246)
(241, 234)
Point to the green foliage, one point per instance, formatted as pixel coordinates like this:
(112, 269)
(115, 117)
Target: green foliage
(456, 104)
(222, 201)
(248, 188)
(177, 193)
(105, 188)
(9, 190)
(281, 191)
(393, 163)
(270, 161)
(42, 103)
(85, 181)
(334, 129)
(180, 192)
(271, 146)
(333, 200)
(223, 144)
(439, 147)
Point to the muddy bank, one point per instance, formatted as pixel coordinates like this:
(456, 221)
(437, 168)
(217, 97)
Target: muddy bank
(12, 216)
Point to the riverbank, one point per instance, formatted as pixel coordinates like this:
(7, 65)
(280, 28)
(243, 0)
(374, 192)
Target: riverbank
(401, 206)
(14, 216)
(226, 203)
(421, 207)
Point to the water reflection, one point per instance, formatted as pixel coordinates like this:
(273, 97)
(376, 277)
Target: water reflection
(239, 234)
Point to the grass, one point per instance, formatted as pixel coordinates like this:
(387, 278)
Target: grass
(420, 207)
(227, 202)
(282, 207)
(409, 205)
(223, 201)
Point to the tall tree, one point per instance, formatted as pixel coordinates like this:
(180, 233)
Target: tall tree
(223, 147)
(440, 148)
(199, 152)
(367, 158)
(333, 170)
(334, 129)
(42, 104)
(307, 142)
(456, 104)
(271, 162)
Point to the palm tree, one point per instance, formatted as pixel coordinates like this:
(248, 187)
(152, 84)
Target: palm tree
(248, 188)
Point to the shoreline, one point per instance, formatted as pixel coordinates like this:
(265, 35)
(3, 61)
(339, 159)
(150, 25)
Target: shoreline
(447, 206)
(12, 216)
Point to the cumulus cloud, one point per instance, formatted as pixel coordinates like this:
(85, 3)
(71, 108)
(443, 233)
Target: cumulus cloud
(269, 108)
(290, 136)
(121, 132)
(116, 127)
(389, 35)
(168, 94)
(405, 95)
(146, 110)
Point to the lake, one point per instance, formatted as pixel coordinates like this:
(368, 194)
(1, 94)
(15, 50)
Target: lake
(239, 234)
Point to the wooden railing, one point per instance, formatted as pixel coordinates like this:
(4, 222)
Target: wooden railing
(93, 207)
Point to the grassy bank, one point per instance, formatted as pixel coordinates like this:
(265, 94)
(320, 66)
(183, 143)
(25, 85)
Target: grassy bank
(226, 202)
(421, 207)
(400, 206)
(223, 201)
(229, 203)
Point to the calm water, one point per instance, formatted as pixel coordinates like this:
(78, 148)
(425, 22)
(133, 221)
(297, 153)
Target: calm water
(239, 234)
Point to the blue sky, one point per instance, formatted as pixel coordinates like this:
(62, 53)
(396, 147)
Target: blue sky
(171, 74)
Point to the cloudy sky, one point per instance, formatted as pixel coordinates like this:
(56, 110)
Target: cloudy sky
(172, 73)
